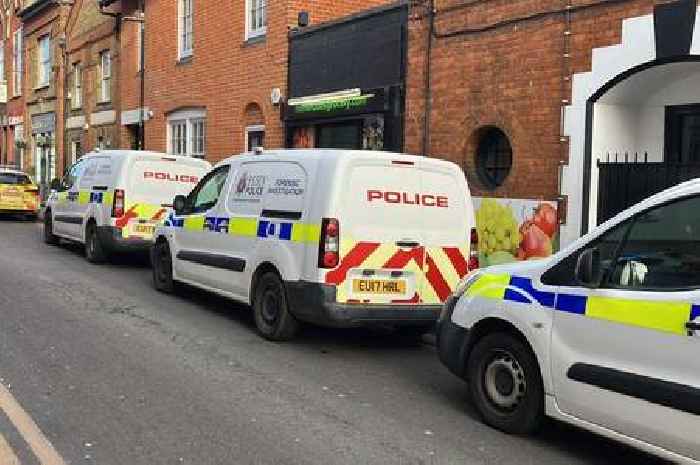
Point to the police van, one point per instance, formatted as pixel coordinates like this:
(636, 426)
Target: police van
(332, 237)
(112, 201)
(604, 335)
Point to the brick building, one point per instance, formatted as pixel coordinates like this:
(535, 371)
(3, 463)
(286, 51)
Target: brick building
(44, 42)
(528, 95)
(211, 68)
(13, 121)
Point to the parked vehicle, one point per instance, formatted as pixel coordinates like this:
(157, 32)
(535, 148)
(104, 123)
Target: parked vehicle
(603, 335)
(112, 201)
(331, 237)
(18, 193)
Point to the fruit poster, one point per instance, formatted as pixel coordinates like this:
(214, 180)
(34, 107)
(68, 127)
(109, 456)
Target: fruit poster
(515, 229)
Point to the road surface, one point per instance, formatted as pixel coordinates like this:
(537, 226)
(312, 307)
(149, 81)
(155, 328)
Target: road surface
(97, 367)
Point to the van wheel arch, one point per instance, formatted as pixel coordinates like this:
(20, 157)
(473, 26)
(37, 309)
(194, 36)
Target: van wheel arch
(265, 267)
(490, 326)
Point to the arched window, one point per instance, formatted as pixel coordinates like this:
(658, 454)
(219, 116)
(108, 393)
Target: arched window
(494, 157)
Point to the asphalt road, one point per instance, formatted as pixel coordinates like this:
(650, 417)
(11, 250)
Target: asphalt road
(112, 372)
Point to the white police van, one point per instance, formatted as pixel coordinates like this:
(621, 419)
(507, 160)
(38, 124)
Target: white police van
(332, 237)
(111, 201)
(604, 335)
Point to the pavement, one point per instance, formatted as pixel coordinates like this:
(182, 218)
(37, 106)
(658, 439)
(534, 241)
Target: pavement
(96, 367)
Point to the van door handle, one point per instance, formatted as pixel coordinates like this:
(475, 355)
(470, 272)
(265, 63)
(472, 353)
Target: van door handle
(407, 243)
(692, 326)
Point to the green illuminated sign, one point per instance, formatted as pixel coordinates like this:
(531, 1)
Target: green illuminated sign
(330, 106)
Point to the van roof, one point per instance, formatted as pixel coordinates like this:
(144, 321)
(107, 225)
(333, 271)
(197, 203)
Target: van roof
(140, 153)
(333, 154)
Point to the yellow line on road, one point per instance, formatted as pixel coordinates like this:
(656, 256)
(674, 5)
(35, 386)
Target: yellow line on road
(31, 433)
(7, 455)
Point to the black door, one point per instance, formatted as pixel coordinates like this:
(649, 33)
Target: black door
(346, 135)
(683, 134)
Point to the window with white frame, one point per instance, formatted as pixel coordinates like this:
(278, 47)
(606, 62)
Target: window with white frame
(77, 97)
(105, 76)
(17, 63)
(185, 36)
(187, 133)
(256, 18)
(139, 43)
(44, 50)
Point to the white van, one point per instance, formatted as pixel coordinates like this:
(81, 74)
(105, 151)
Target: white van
(111, 201)
(332, 237)
(603, 335)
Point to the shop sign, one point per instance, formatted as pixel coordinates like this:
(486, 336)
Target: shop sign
(45, 122)
(15, 120)
(338, 106)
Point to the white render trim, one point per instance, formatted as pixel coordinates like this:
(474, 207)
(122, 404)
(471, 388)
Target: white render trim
(103, 117)
(75, 122)
(134, 116)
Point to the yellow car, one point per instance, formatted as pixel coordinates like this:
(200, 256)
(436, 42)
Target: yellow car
(18, 194)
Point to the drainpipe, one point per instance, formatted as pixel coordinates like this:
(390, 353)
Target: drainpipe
(428, 89)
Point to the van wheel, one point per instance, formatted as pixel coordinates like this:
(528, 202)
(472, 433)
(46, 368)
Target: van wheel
(49, 237)
(506, 385)
(272, 316)
(94, 250)
(162, 267)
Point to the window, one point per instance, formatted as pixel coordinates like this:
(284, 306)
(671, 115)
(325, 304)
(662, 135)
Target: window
(185, 28)
(76, 150)
(187, 133)
(205, 196)
(44, 49)
(19, 145)
(662, 249)
(494, 157)
(17, 63)
(2, 60)
(77, 99)
(105, 76)
(256, 18)
(255, 137)
(139, 44)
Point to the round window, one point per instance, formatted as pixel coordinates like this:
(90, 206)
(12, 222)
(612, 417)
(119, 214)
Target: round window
(494, 157)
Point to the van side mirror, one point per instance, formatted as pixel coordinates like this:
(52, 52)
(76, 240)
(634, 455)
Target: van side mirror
(589, 272)
(179, 204)
(55, 184)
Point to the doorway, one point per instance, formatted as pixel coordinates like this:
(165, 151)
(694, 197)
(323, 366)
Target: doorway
(683, 134)
(346, 135)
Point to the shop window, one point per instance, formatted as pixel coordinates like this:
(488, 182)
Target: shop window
(256, 18)
(494, 157)
(187, 133)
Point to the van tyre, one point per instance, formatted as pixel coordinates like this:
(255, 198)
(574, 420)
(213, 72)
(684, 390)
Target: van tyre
(162, 261)
(94, 250)
(506, 384)
(271, 309)
(49, 237)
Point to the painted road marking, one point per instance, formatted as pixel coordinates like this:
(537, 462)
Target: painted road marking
(42, 448)
(7, 455)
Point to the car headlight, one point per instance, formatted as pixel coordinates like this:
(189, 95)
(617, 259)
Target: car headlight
(465, 283)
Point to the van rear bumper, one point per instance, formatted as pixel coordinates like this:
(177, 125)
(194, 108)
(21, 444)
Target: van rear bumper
(112, 239)
(316, 303)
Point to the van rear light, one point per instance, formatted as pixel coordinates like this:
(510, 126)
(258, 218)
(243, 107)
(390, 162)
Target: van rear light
(329, 244)
(118, 204)
(474, 250)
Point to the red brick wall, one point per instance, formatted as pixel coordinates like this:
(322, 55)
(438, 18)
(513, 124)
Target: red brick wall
(514, 77)
(225, 74)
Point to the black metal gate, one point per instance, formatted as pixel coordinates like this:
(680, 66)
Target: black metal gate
(625, 181)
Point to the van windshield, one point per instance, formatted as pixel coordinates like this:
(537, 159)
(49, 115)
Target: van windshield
(15, 179)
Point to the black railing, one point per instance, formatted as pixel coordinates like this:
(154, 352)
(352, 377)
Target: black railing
(625, 180)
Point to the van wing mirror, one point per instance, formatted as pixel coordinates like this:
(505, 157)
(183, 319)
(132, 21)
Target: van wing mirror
(589, 272)
(55, 184)
(179, 204)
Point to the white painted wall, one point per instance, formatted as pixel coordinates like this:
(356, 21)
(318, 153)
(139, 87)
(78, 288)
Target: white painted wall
(630, 117)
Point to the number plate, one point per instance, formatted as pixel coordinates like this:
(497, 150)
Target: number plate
(147, 229)
(378, 286)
